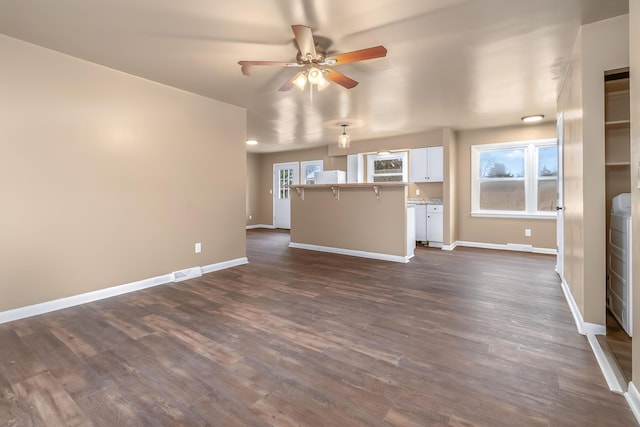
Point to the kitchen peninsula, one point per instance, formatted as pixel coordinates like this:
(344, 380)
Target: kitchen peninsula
(370, 220)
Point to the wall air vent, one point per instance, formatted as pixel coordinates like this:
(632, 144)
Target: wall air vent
(187, 273)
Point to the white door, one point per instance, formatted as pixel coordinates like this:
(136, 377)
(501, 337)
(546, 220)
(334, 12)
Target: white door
(560, 203)
(284, 176)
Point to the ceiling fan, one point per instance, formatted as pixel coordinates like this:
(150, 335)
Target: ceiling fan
(313, 58)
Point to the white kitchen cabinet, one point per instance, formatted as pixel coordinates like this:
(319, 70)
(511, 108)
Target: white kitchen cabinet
(421, 223)
(355, 168)
(435, 225)
(426, 164)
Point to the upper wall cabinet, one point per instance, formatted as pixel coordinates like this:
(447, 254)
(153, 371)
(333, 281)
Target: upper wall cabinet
(426, 164)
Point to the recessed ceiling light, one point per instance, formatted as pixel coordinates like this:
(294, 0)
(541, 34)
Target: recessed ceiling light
(532, 119)
(252, 142)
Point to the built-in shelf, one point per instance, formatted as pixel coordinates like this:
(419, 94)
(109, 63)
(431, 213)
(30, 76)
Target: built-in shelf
(617, 164)
(617, 124)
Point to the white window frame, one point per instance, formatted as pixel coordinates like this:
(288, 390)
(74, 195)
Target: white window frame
(303, 167)
(402, 155)
(530, 179)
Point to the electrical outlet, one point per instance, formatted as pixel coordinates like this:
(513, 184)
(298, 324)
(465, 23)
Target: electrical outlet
(270, 191)
(527, 232)
(418, 192)
(198, 248)
(250, 217)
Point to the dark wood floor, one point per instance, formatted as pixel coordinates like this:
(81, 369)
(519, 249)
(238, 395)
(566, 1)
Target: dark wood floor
(463, 338)
(620, 344)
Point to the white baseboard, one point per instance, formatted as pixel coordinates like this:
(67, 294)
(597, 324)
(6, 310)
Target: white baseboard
(507, 247)
(59, 304)
(450, 247)
(608, 365)
(224, 265)
(583, 327)
(250, 227)
(350, 252)
(633, 399)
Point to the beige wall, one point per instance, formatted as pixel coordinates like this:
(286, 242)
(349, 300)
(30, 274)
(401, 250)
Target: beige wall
(108, 179)
(601, 46)
(498, 230)
(266, 161)
(450, 187)
(570, 105)
(254, 174)
(358, 221)
(634, 64)
(605, 47)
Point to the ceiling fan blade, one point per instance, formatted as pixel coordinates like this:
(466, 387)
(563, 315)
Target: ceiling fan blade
(304, 38)
(340, 78)
(246, 65)
(358, 55)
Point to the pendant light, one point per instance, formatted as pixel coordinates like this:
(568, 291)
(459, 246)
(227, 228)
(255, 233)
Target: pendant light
(343, 140)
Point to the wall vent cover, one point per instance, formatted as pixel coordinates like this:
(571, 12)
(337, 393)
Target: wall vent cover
(187, 273)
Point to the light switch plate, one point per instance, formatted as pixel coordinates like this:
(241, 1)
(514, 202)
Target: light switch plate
(198, 248)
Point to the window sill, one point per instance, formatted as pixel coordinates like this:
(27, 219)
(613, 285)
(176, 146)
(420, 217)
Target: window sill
(515, 215)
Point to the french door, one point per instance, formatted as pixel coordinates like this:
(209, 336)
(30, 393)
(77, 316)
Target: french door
(284, 176)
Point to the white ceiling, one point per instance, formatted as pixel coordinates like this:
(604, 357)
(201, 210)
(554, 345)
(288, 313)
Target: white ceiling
(458, 63)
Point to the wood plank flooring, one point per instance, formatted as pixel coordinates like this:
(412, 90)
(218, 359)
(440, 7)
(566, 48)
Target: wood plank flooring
(299, 338)
(620, 344)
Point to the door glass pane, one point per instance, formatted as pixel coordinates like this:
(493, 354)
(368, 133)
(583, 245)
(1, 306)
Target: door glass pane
(547, 199)
(502, 163)
(502, 195)
(284, 181)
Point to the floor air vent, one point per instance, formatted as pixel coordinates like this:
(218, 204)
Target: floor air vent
(187, 273)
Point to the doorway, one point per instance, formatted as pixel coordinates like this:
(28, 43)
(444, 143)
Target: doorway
(284, 176)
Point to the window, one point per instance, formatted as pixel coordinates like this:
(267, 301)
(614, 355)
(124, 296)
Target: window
(309, 170)
(515, 178)
(387, 167)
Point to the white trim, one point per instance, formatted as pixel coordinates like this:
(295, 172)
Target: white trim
(450, 247)
(633, 399)
(508, 247)
(583, 327)
(530, 179)
(304, 164)
(59, 304)
(224, 265)
(514, 215)
(270, 226)
(351, 252)
(608, 365)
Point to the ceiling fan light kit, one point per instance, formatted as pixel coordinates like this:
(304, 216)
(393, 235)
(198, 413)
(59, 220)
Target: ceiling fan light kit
(313, 58)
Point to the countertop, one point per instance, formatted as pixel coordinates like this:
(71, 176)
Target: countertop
(424, 201)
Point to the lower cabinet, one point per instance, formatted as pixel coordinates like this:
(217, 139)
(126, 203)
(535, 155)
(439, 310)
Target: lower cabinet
(421, 223)
(435, 225)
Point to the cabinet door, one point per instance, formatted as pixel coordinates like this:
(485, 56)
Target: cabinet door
(421, 223)
(418, 165)
(435, 164)
(435, 223)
